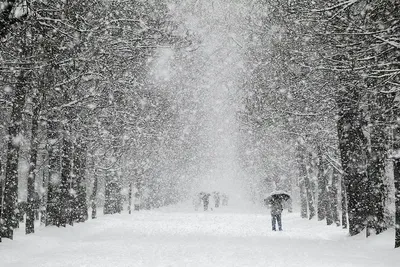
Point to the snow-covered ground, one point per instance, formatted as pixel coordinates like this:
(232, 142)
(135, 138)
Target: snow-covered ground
(178, 236)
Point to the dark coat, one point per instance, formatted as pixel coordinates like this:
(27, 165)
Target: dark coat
(276, 206)
(206, 198)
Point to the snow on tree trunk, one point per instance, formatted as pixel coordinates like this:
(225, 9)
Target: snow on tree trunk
(302, 174)
(6, 16)
(396, 164)
(66, 180)
(303, 199)
(306, 182)
(1, 197)
(322, 194)
(352, 146)
(93, 197)
(10, 194)
(82, 188)
(328, 208)
(78, 199)
(112, 195)
(378, 155)
(31, 199)
(310, 198)
(334, 197)
(43, 197)
(53, 191)
(309, 186)
(343, 203)
(396, 175)
(130, 198)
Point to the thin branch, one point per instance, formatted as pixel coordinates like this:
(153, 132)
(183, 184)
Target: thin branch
(344, 4)
(392, 43)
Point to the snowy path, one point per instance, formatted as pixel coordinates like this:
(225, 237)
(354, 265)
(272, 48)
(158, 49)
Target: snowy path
(171, 238)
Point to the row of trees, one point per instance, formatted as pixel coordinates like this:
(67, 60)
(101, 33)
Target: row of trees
(78, 112)
(324, 76)
(78, 107)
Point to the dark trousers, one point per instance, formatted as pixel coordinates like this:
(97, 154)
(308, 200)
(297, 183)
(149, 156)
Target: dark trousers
(276, 218)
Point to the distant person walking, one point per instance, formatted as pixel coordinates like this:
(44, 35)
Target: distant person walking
(217, 199)
(206, 200)
(225, 199)
(274, 201)
(276, 213)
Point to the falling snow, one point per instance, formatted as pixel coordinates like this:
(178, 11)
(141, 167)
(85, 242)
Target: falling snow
(172, 133)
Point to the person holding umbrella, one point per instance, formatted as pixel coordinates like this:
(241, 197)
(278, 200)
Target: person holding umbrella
(206, 199)
(275, 203)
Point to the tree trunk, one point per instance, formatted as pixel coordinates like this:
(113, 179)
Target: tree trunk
(81, 210)
(290, 204)
(310, 198)
(82, 194)
(6, 17)
(334, 197)
(309, 189)
(302, 174)
(396, 174)
(328, 207)
(344, 204)
(93, 197)
(303, 200)
(73, 206)
(31, 199)
(322, 196)
(9, 219)
(53, 190)
(44, 181)
(396, 164)
(107, 209)
(352, 146)
(66, 179)
(76, 167)
(306, 193)
(130, 198)
(1, 196)
(378, 191)
(112, 196)
(82, 189)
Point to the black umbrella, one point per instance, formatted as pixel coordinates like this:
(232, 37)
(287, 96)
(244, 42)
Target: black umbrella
(277, 195)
